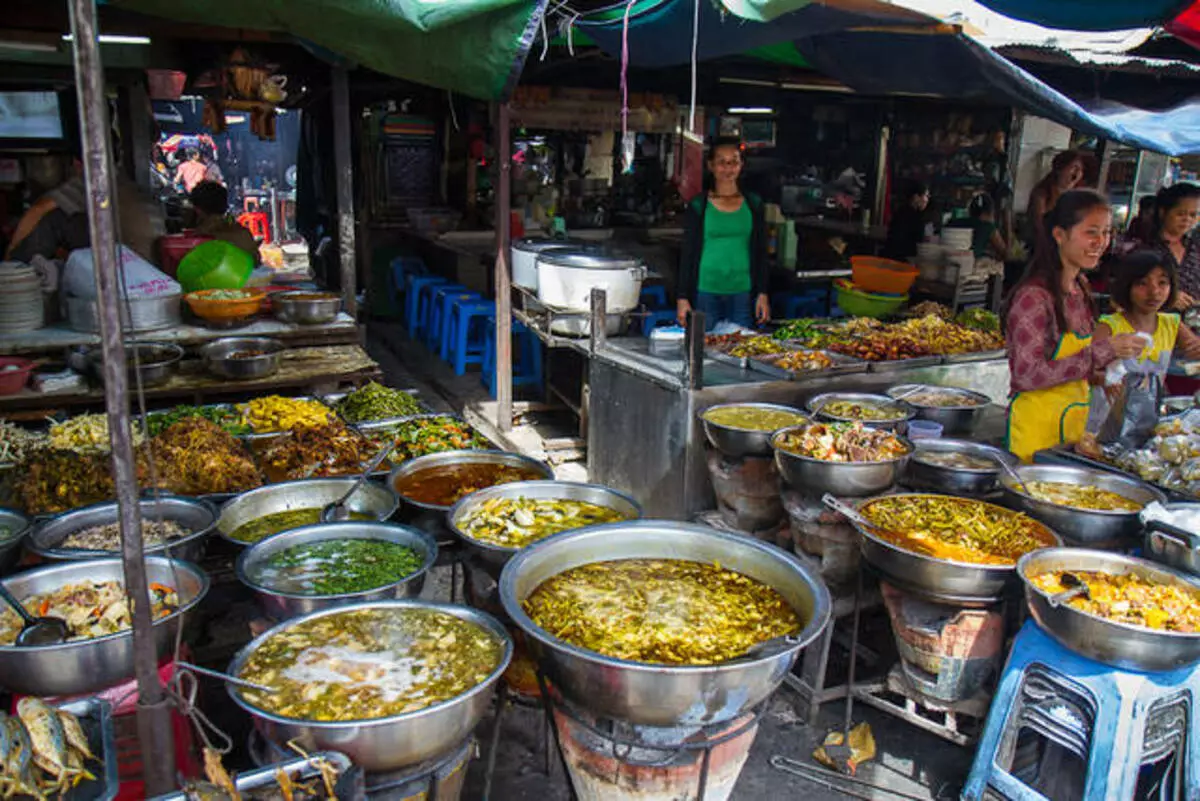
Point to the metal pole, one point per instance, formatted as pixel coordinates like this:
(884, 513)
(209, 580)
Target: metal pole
(154, 724)
(343, 166)
(504, 400)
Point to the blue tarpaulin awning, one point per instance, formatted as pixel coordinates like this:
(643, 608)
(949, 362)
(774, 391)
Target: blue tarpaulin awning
(1091, 15)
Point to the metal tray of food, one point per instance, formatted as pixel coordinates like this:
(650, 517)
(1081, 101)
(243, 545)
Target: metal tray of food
(333, 399)
(259, 447)
(977, 356)
(904, 364)
(95, 717)
(273, 434)
(136, 420)
(264, 782)
(720, 356)
(842, 365)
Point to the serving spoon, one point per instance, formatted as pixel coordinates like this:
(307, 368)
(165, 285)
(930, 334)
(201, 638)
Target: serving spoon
(1007, 468)
(338, 511)
(216, 674)
(37, 630)
(1077, 587)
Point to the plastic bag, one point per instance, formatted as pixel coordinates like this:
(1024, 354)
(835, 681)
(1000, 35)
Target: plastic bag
(142, 279)
(1131, 417)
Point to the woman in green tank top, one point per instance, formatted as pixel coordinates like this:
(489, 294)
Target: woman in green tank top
(723, 269)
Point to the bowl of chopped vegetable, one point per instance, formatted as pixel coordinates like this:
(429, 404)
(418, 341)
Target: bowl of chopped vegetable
(334, 564)
(225, 305)
(171, 526)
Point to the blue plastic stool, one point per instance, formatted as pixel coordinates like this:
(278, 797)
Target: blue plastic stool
(399, 269)
(654, 319)
(417, 284)
(1099, 714)
(466, 336)
(527, 357)
(439, 313)
(449, 304)
(653, 297)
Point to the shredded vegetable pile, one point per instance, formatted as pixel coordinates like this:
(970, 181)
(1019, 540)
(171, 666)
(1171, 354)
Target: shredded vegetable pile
(54, 481)
(1129, 598)
(227, 418)
(196, 457)
(328, 450)
(17, 443)
(86, 433)
(377, 402)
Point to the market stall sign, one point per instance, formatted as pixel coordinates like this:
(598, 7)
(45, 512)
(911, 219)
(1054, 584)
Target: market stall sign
(565, 109)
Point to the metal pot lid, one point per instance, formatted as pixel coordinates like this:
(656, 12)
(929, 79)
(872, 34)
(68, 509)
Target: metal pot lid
(590, 258)
(532, 244)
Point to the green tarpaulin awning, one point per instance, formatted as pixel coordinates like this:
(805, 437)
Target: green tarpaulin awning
(476, 47)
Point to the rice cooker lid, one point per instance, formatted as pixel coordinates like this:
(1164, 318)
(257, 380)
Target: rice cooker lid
(532, 244)
(588, 258)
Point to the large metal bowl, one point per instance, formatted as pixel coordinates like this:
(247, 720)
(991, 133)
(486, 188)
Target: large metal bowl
(218, 359)
(1170, 544)
(817, 402)
(199, 517)
(1082, 527)
(971, 481)
(18, 527)
(944, 580)
(499, 555)
(307, 493)
(651, 694)
(448, 458)
(282, 605)
(845, 479)
(89, 665)
(957, 419)
(739, 442)
(305, 307)
(1118, 644)
(389, 743)
(155, 361)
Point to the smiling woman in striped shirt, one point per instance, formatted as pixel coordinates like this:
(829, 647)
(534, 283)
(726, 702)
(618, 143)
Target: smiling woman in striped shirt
(1051, 318)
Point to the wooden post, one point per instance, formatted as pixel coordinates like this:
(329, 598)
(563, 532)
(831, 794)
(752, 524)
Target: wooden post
(153, 715)
(343, 165)
(503, 281)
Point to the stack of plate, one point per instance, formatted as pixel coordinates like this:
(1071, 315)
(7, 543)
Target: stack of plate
(21, 305)
(957, 238)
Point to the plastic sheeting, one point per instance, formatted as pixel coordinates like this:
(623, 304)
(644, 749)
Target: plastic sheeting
(1090, 15)
(476, 47)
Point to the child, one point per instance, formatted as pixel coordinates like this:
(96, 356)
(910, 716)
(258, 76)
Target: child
(987, 240)
(1143, 285)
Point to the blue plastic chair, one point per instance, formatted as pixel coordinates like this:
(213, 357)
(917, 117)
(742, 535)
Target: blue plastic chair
(527, 357)
(655, 319)
(399, 269)
(467, 328)
(653, 297)
(417, 284)
(439, 312)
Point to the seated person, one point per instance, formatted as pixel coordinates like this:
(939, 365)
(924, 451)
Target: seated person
(210, 201)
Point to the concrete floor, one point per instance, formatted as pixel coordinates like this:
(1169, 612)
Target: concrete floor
(909, 761)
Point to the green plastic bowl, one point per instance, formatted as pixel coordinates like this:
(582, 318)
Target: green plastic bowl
(214, 265)
(864, 304)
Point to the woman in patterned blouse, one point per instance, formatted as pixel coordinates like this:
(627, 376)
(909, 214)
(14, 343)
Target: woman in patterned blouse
(1175, 212)
(1051, 317)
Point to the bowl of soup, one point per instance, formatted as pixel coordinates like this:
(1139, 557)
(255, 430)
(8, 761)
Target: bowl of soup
(745, 429)
(438, 481)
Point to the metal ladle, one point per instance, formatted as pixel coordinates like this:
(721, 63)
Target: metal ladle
(1076, 587)
(338, 511)
(1007, 468)
(216, 674)
(37, 630)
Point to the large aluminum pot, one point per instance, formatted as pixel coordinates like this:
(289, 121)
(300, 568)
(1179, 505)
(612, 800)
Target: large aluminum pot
(1118, 644)
(89, 665)
(1173, 545)
(816, 404)
(282, 605)
(396, 741)
(739, 442)
(137, 314)
(1086, 528)
(524, 258)
(974, 481)
(307, 493)
(16, 527)
(944, 580)
(567, 276)
(662, 695)
(844, 479)
(499, 555)
(957, 418)
(198, 516)
(449, 458)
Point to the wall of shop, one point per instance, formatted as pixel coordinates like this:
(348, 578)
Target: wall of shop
(1040, 139)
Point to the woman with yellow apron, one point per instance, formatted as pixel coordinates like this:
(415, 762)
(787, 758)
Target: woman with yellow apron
(1051, 316)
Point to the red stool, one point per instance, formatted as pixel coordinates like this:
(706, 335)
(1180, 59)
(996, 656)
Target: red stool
(256, 222)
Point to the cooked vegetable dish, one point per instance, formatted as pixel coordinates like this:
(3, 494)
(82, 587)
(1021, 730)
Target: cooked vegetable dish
(862, 410)
(370, 663)
(225, 417)
(942, 399)
(955, 459)
(753, 418)
(1080, 496)
(54, 481)
(328, 450)
(956, 529)
(334, 567)
(108, 536)
(1130, 599)
(516, 522)
(803, 361)
(276, 413)
(843, 442)
(90, 608)
(377, 402)
(427, 435)
(197, 457)
(262, 527)
(85, 433)
(443, 485)
(16, 443)
(662, 611)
